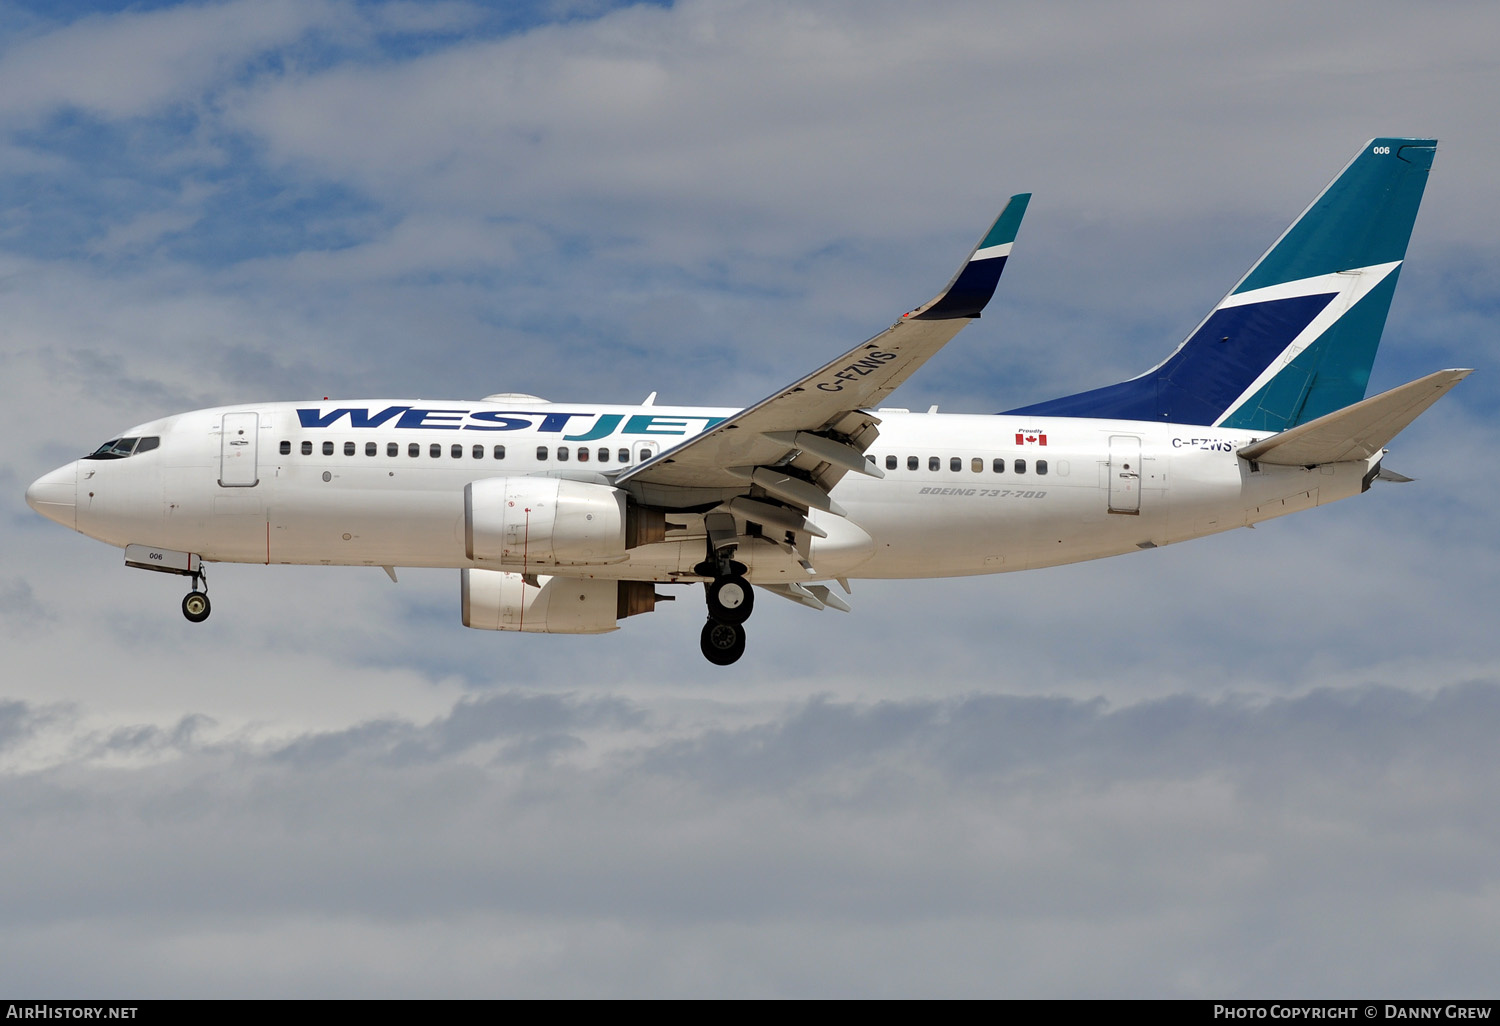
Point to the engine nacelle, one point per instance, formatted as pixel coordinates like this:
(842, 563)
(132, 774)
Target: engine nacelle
(543, 521)
(494, 600)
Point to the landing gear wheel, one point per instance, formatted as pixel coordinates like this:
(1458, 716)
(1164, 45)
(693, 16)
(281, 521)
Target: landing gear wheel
(722, 643)
(195, 606)
(730, 599)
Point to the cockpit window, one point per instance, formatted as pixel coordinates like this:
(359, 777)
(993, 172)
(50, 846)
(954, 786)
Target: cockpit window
(119, 448)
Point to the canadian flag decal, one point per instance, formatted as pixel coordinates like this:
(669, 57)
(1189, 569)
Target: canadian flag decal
(1030, 438)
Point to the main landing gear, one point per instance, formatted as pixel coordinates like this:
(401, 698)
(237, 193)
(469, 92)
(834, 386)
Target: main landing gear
(730, 597)
(730, 600)
(722, 643)
(195, 605)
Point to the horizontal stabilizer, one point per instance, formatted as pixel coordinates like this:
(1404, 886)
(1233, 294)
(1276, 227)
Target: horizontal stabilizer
(1356, 432)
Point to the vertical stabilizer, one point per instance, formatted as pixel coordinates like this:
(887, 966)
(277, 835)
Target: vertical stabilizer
(1296, 338)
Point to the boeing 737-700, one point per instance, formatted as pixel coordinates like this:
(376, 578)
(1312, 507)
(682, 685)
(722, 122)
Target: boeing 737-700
(565, 518)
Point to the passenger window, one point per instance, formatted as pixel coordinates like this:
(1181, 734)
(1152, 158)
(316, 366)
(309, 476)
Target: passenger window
(307, 448)
(435, 450)
(562, 454)
(890, 463)
(603, 454)
(370, 449)
(998, 466)
(499, 452)
(976, 465)
(646, 454)
(911, 463)
(348, 448)
(456, 451)
(413, 450)
(286, 448)
(392, 449)
(327, 448)
(1041, 467)
(1020, 466)
(583, 454)
(933, 463)
(479, 452)
(955, 463)
(624, 455)
(541, 453)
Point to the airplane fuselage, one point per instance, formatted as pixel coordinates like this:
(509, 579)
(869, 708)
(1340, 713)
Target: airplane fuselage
(381, 483)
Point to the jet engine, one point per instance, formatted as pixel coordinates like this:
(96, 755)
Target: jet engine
(543, 521)
(495, 600)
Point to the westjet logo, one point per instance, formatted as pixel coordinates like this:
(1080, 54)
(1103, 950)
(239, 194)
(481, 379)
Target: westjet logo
(604, 424)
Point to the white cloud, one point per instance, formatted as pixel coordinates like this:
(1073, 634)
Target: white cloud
(710, 108)
(989, 844)
(133, 63)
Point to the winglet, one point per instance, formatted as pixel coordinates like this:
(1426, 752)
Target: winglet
(974, 284)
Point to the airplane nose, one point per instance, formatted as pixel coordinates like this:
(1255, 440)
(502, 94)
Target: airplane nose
(55, 495)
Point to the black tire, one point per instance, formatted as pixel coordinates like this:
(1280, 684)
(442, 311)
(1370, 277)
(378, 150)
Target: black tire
(730, 599)
(722, 643)
(195, 606)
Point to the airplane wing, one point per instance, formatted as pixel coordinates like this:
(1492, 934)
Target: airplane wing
(795, 445)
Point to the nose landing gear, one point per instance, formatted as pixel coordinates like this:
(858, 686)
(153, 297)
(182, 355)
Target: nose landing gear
(195, 605)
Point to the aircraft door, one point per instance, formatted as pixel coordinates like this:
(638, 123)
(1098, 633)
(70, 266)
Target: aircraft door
(238, 442)
(1124, 474)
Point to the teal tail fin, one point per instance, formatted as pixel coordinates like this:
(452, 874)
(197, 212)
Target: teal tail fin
(1296, 338)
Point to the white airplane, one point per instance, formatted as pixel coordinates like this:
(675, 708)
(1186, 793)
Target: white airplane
(566, 517)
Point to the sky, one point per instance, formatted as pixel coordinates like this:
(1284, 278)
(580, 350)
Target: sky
(1255, 765)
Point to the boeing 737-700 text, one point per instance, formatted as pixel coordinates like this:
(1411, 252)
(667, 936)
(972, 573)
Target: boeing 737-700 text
(566, 518)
